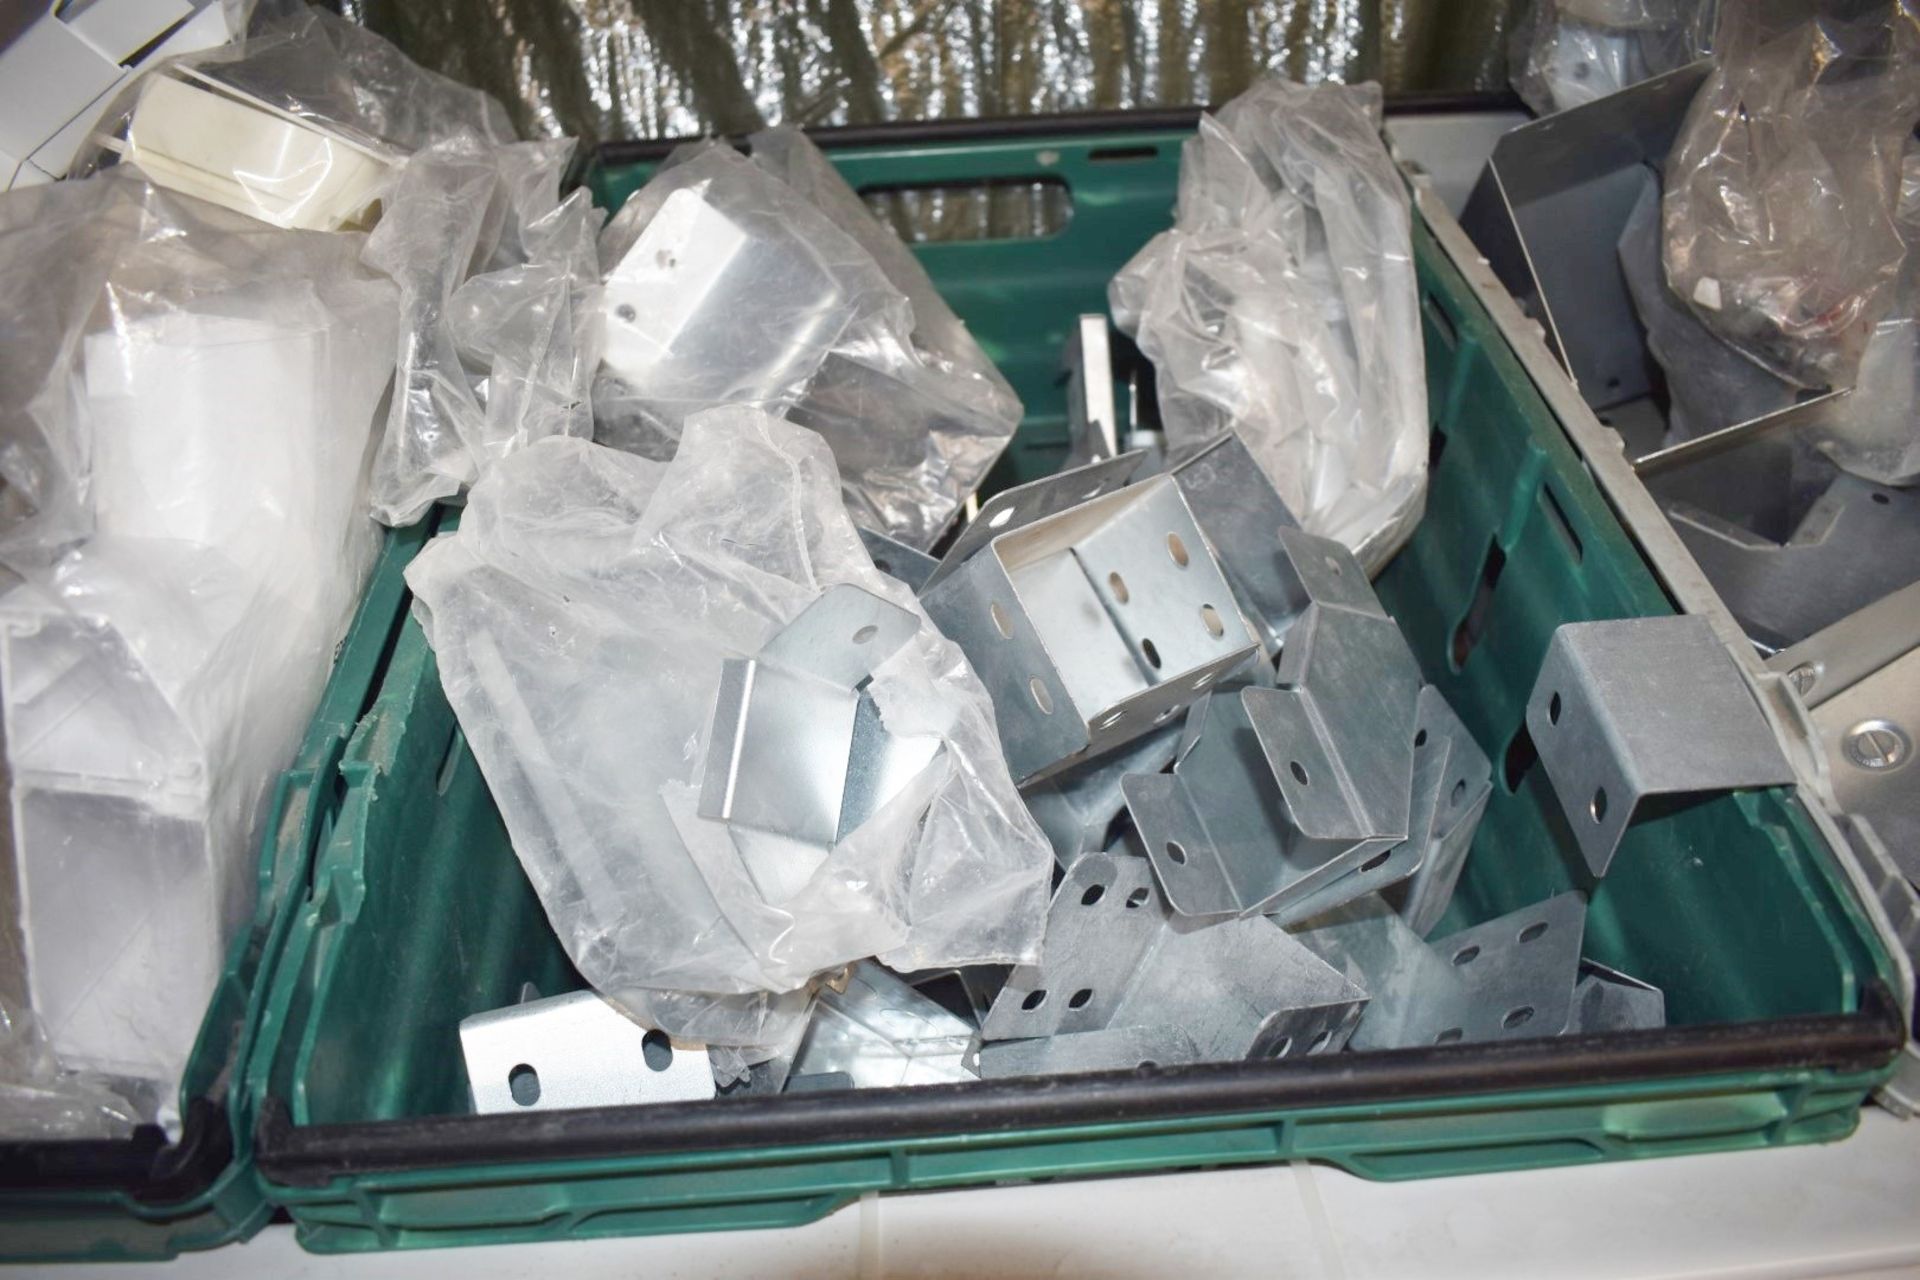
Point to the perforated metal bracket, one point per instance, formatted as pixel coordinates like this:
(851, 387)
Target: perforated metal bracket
(1509, 978)
(1114, 1049)
(575, 1050)
(1024, 504)
(1242, 514)
(1644, 707)
(1117, 956)
(1092, 627)
(796, 751)
(1452, 782)
(898, 560)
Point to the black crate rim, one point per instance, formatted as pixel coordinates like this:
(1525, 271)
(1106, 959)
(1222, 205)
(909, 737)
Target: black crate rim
(313, 1155)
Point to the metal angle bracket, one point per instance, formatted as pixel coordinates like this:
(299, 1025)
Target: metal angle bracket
(1217, 829)
(1022, 505)
(1092, 626)
(1510, 978)
(1116, 956)
(1641, 707)
(575, 1050)
(1077, 808)
(796, 750)
(1453, 780)
(1242, 514)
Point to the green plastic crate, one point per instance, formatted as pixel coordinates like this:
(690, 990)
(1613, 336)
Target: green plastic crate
(144, 1198)
(418, 914)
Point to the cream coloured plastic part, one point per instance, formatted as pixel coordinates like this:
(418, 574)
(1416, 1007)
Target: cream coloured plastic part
(211, 141)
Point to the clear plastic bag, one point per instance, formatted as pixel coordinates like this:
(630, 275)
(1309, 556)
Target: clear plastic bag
(1875, 431)
(40, 1101)
(314, 122)
(581, 616)
(1568, 52)
(498, 275)
(186, 424)
(1282, 305)
(767, 283)
(1709, 384)
(1781, 187)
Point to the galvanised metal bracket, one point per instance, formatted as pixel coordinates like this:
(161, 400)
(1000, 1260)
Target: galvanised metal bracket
(797, 750)
(1116, 956)
(1637, 708)
(1091, 626)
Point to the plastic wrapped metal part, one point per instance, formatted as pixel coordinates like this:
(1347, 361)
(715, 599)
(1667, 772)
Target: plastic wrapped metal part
(880, 1032)
(1710, 385)
(583, 617)
(186, 403)
(1875, 431)
(1778, 226)
(1282, 305)
(766, 283)
(498, 275)
(1567, 52)
(300, 124)
(314, 122)
(39, 1100)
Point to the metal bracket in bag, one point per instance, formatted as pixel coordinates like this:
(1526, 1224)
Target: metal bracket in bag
(1093, 626)
(796, 750)
(1116, 956)
(1643, 707)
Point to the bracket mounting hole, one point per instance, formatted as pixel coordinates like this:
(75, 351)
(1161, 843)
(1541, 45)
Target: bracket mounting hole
(1177, 549)
(1001, 623)
(1420, 738)
(1459, 793)
(1517, 1017)
(865, 634)
(1553, 709)
(1450, 1036)
(1034, 999)
(1093, 894)
(999, 518)
(1118, 585)
(1298, 770)
(657, 1050)
(1137, 898)
(1151, 654)
(1178, 852)
(1078, 1000)
(1041, 698)
(523, 1082)
(1465, 955)
(1599, 806)
(1320, 1042)
(1377, 861)
(1533, 931)
(1211, 616)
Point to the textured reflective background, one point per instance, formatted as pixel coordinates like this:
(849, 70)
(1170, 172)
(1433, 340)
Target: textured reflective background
(662, 68)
